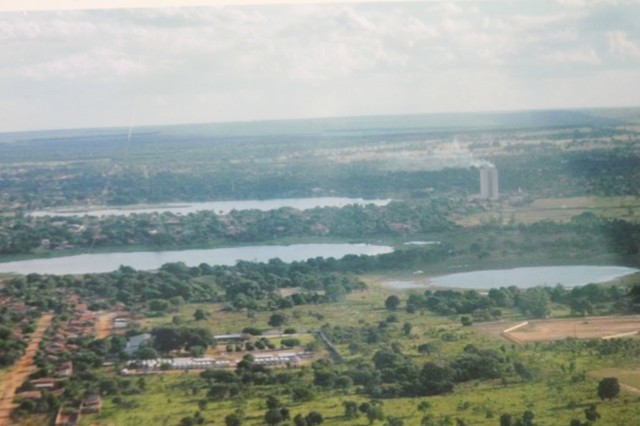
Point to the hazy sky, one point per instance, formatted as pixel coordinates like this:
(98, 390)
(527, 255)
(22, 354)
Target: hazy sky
(71, 69)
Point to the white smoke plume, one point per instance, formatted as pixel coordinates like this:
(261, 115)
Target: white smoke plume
(444, 155)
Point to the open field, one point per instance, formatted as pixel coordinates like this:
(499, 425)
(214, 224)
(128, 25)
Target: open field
(580, 328)
(630, 377)
(477, 403)
(557, 210)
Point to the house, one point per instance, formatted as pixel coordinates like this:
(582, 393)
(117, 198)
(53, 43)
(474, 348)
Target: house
(43, 383)
(93, 404)
(231, 337)
(184, 363)
(30, 395)
(119, 323)
(67, 418)
(276, 359)
(136, 342)
(65, 369)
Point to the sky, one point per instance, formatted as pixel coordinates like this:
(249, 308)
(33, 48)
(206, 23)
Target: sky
(132, 67)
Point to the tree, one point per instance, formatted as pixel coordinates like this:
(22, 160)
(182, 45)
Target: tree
(350, 409)
(608, 388)
(506, 420)
(197, 351)
(406, 328)
(527, 418)
(146, 353)
(392, 302)
(299, 420)
(277, 319)
(199, 315)
(158, 305)
(466, 321)
(314, 418)
(591, 413)
(344, 382)
(235, 419)
(364, 407)
(374, 413)
(170, 338)
(435, 380)
(285, 413)
(534, 301)
(273, 417)
(302, 393)
(427, 420)
(273, 402)
(394, 421)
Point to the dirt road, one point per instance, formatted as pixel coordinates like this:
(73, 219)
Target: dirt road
(105, 324)
(22, 368)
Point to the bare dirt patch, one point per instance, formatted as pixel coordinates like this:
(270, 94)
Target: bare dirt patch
(105, 324)
(579, 328)
(495, 328)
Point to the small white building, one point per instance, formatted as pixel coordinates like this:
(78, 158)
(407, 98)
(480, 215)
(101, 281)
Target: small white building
(120, 323)
(276, 359)
(181, 363)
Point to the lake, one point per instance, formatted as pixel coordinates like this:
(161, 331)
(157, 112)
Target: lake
(568, 276)
(221, 207)
(107, 262)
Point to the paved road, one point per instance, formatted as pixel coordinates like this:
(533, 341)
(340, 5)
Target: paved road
(22, 368)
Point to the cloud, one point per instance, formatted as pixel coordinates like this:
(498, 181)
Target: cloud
(621, 45)
(99, 64)
(572, 3)
(583, 55)
(251, 62)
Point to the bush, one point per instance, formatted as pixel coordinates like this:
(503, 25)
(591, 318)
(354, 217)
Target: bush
(254, 331)
(290, 343)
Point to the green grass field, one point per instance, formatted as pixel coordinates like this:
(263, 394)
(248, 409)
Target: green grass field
(558, 210)
(564, 381)
(169, 398)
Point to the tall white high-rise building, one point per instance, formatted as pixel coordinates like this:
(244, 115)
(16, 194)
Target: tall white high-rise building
(489, 183)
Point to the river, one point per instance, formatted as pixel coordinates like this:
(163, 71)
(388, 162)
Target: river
(149, 260)
(221, 207)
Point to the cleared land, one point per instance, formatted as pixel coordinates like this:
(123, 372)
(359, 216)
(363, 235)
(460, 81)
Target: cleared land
(629, 377)
(105, 324)
(20, 371)
(557, 210)
(580, 328)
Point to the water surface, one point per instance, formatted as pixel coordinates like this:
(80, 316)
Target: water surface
(148, 260)
(221, 207)
(568, 276)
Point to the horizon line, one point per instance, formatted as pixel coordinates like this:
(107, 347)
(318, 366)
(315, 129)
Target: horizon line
(271, 120)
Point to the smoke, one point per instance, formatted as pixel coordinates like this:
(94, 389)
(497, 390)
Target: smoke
(445, 155)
